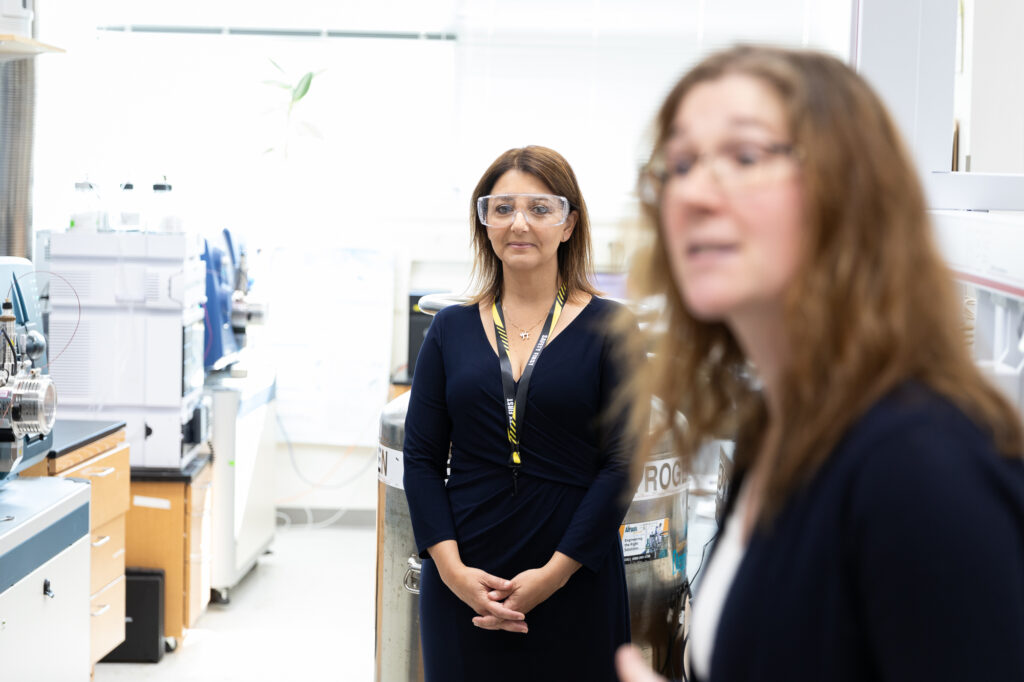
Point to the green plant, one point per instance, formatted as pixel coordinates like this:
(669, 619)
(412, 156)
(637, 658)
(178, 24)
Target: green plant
(297, 91)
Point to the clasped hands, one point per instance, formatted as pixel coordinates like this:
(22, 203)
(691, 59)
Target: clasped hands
(502, 604)
(517, 597)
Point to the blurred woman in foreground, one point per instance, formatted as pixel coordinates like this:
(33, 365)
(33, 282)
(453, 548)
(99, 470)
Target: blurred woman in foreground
(875, 524)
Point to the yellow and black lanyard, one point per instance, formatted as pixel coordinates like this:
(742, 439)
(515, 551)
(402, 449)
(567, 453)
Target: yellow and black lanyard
(515, 400)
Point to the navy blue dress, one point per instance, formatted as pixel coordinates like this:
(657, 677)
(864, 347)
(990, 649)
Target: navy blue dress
(570, 494)
(903, 559)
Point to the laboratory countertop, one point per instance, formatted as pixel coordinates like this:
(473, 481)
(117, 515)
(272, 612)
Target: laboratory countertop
(254, 384)
(39, 517)
(185, 474)
(71, 434)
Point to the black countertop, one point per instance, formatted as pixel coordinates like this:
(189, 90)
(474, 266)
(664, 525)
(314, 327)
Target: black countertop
(71, 434)
(186, 474)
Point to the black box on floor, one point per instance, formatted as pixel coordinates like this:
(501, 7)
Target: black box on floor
(144, 617)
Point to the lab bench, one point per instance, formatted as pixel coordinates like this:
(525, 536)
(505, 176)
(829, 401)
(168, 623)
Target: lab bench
(44, 580)
(96, 451)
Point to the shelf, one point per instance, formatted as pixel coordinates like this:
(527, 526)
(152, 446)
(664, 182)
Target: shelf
(14, 47)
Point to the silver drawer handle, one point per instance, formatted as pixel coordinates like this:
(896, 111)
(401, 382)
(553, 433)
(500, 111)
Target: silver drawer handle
(100, 611)
(411, 582)
(102, 473)
(102, 541)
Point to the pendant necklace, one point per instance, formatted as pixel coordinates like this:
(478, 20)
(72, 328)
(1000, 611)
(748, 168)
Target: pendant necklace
(524, 333)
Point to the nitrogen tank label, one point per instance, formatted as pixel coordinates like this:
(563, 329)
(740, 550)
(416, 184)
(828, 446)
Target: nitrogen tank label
(390, 467)
(661, 477)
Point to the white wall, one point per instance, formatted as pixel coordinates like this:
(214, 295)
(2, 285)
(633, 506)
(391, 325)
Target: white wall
(997, 87)
(385, 149)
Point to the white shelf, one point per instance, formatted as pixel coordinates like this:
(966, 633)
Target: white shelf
(16, 47)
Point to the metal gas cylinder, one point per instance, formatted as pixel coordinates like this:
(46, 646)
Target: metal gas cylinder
(397, 656)
(654, 546)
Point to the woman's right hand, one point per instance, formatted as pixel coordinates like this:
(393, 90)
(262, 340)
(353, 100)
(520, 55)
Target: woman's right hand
(472, 586)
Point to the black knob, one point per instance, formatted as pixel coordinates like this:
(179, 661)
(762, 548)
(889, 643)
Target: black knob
(46, 588)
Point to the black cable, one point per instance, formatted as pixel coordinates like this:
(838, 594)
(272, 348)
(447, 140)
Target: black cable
(703, 552)
(682, 659)
(689, 586)
(10, 343)
(14, 353)
(676, 606)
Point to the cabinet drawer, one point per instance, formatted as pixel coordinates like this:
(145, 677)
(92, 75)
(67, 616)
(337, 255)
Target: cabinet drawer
(106, 611)
(110, 477)
(107, 554)
(157, 538)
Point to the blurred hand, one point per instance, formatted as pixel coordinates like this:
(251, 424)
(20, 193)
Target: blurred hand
(632, 667)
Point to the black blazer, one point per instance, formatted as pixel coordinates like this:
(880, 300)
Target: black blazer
(903, 559)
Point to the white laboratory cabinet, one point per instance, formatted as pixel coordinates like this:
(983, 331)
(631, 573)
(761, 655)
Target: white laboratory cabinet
(44, 580)
(244, 440)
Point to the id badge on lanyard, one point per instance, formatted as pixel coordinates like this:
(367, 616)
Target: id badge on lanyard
(515, 400)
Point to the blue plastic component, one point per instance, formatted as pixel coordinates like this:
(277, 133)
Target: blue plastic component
(18, 299)
(220, 285)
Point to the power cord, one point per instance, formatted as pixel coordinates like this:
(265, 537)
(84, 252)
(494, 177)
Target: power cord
(303, 477)
(315, 485)
(676, 604)
(689, 593)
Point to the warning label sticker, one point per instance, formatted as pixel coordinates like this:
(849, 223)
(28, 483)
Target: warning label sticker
(644, 541)
(390, 467)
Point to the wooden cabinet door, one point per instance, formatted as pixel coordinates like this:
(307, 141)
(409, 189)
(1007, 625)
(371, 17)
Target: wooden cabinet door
(157, 538)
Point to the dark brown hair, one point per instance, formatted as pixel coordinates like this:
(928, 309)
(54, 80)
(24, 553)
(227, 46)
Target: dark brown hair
(575, 256)
(872, 304)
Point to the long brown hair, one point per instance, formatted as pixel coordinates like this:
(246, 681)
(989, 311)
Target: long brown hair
(872, 304)
(575, 255)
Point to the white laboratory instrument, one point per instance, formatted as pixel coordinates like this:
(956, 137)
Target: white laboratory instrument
(986, 253)
(16, 17)
(244, 439)
(126, 307)
(28, 397)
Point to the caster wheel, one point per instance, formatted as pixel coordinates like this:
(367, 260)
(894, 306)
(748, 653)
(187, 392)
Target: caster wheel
(170, 644)
(220, 596)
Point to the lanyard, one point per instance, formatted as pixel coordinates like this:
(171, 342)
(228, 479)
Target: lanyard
(515, 401)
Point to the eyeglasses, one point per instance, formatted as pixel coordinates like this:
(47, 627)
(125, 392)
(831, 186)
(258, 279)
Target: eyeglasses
(734, 167)
(539, 210)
